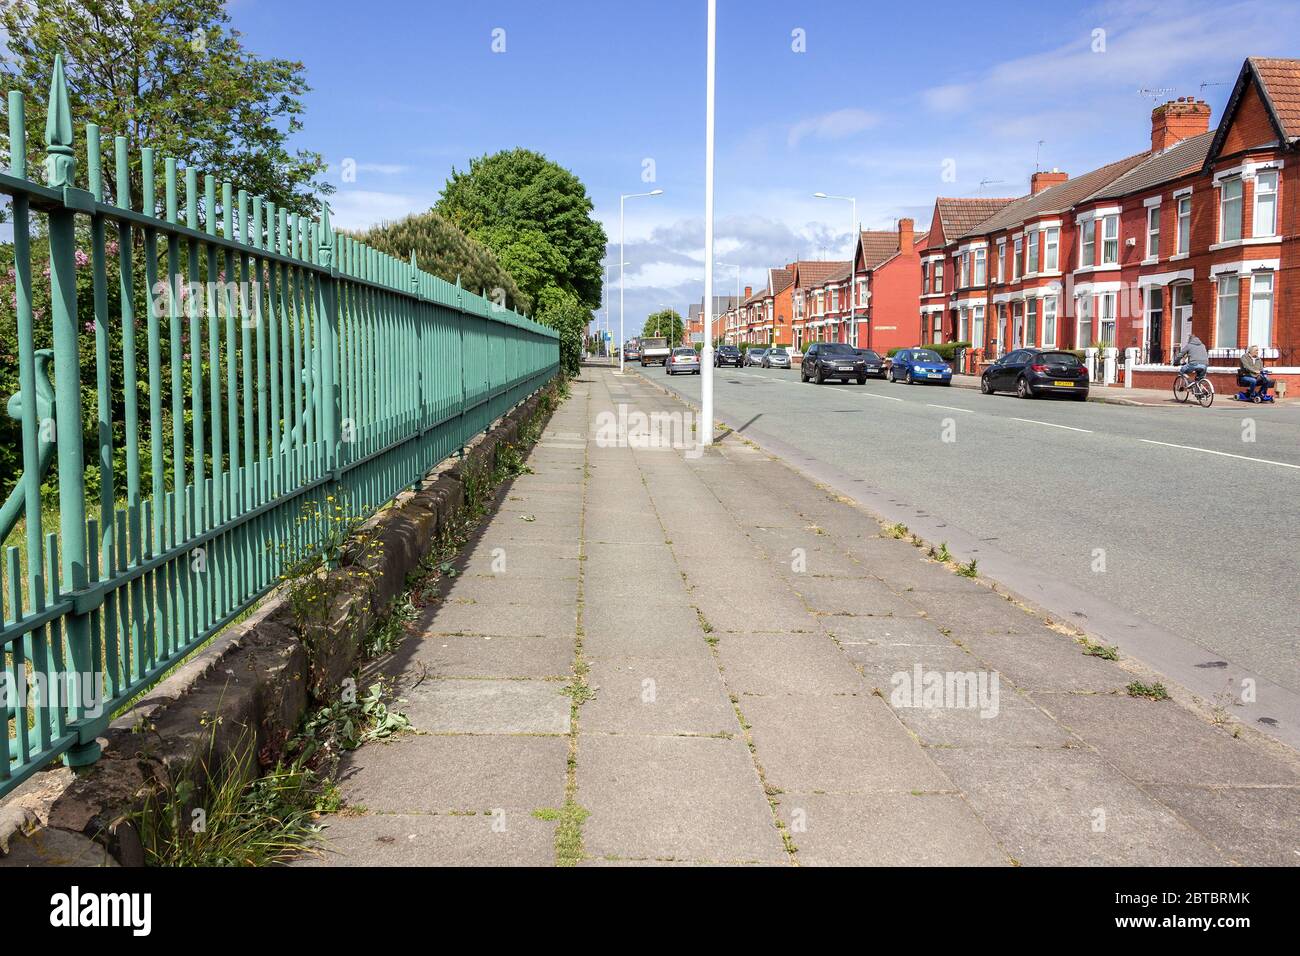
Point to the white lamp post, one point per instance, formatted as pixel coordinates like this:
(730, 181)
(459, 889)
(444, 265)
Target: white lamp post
(853, 265)
(706, 353)
(621, 263)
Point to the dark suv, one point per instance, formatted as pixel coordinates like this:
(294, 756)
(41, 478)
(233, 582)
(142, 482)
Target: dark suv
(726, 355)
(823, 361)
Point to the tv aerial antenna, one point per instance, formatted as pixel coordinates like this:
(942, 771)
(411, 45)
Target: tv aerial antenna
(1155, 94)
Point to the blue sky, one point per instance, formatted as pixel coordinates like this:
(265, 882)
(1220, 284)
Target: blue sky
(882, 96)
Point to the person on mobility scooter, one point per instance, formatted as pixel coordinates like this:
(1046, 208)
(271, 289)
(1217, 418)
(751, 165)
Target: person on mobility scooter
(1253, 378)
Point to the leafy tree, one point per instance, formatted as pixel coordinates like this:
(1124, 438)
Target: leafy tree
(170, 74)
(447, 252)
(561, 310)
(536, 215)
(666, 323)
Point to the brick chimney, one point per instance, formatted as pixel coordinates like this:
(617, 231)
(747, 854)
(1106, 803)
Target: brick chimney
(1044, 180)
(906, 227)
(749, 290)
(1178, 120)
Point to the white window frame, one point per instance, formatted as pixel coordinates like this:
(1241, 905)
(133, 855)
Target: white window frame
(1257, 290)
(1269, 176)
(1051, 249)
(1109, 242)
(963, 280)
(938, 277)
(1002, 255)
(1153, 232)
(1238, 202)
(1084, 312)
(977, 327)
(1184, 221)
(1017, 251)
(980, 276)
(1049, 321)
(1031, 254)
(1088, 244)
(962, 316)
(1226, 282)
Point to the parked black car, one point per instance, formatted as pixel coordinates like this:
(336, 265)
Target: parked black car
(873, 364)
(1033, 372)
(727, 355)
(823, 361)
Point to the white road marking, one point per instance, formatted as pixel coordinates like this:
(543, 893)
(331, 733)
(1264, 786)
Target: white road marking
(1034, 421)
(951, 408)
(1225, 454)
(888, 398)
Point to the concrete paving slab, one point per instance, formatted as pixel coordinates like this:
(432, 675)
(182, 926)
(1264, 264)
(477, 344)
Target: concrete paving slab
(440, 773)
(521, 620)
(1254, 826)
(862, 597)
(727, 610)
(1067, 807)
(836, 744)
(534, 559)
(901, 629)
(509, 588)
(668, 632)
(383, 839)
(1049, 663)
(486, 706)
(657, 696)
(1134, 734)
(888, 829)
(485, 655)
(768, 664)
(687, 798)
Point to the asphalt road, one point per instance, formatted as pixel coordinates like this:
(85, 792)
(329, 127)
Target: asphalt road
(1197, 526)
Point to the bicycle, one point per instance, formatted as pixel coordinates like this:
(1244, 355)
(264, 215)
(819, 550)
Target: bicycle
(1202, 389)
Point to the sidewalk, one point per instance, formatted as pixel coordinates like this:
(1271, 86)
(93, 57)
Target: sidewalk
(744, 638)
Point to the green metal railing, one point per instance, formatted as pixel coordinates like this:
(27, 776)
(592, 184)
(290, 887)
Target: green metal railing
(302, 368)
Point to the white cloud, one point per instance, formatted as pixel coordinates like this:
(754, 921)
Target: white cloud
(835, 125)
(383, 169)
(362, 208)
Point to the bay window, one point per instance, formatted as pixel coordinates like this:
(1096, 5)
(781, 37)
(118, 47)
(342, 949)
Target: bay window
(1084, 338)
(1017, 261)
(1230, 210)
(1049, 320)
(1225, 326)
(1002, 255)
(981, 267)
(964, 280)
(1032, 253)
(1265, 204)
(977, 333)
(1031, 322)
(1051, 249)
(938, 276)
(1088, 247)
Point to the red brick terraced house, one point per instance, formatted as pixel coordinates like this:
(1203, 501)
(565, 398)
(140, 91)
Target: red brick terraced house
(1198, 233)
(952, 217)
(808, 299)
(887, 276)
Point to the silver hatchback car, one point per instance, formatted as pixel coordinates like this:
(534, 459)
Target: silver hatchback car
(776, 358)
(683, 360)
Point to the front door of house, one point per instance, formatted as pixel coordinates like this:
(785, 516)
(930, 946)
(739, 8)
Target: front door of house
(1002, 331)
(1017, 327)
(1155, 322)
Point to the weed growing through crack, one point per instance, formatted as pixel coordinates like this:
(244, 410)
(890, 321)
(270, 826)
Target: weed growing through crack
(1154, 691)
(1107, 652)
(969, 570)
(897, 531)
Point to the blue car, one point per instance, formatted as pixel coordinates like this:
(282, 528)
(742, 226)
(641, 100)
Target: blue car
(920, 365)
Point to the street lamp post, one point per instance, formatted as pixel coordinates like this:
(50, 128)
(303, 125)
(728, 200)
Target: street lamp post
(853, 264)
(706, 353)
(621, 263)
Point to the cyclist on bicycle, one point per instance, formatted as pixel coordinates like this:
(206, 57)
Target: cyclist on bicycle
(1197, 356)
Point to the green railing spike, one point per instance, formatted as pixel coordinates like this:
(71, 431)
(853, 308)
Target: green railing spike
(60, 162)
